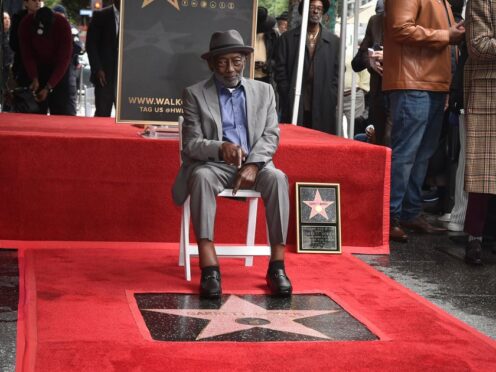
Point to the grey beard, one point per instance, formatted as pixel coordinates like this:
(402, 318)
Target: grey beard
(228, 83)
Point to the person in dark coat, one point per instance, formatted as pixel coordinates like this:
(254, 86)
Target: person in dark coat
(264, 46)
(102, 47)
(46, 48)
(18, 71)
(8, 57)
(318, 101)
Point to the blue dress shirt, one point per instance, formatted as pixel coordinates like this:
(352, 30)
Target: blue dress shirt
(232, 103)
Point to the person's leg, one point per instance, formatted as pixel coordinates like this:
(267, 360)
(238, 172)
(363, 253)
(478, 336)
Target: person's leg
(205, 182)
(430, 120)
(62, 101)
(347, 108)
(461, 197)
(359, 103)
(475, 220)
(409, 111)
(104, 100)
(378, 117)
(273, 186)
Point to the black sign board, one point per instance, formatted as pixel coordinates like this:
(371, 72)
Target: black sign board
(159, 52)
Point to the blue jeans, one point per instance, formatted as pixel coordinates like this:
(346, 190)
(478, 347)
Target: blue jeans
(417, 120)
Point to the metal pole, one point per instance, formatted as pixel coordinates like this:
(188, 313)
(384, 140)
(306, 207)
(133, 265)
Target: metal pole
(351, 124)
(342, 51)
(301, 59)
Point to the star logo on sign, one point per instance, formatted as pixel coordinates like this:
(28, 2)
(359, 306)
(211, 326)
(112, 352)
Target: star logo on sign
(318, 206)
(174, 3)
(237, 314)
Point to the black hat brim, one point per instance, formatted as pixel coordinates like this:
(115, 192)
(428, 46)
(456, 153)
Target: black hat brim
(229, 49)
(326, 4)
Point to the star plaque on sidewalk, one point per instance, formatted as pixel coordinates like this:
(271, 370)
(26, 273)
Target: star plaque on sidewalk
(318, 222)
(247, 318)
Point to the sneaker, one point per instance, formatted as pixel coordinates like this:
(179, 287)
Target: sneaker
(445, 217)
(453, 226)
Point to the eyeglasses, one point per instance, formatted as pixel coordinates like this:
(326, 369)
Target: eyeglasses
(224, 62)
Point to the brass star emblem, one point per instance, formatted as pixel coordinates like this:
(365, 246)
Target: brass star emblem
(174, 3)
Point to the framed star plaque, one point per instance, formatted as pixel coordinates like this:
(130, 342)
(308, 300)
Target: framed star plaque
(318, 220)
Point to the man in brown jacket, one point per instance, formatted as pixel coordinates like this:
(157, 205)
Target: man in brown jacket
(417, 75)
(480, 109)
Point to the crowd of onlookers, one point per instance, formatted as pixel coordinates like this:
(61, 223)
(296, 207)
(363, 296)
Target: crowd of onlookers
(41, 58)
(431, 97)
(426, 88)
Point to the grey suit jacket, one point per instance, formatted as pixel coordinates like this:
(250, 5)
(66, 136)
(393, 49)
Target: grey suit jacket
(202, 128)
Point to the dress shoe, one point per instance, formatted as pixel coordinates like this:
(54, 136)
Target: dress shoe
(420, 224)
(396, 233)
(279, 283)
(473, 252)
(210, 285)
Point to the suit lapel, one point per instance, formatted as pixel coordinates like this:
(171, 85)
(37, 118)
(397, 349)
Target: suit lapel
(250, 110)
(212, 102)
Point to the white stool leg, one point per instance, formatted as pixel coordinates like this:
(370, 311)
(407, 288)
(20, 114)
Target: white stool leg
(251, 228)
(181, 240)
(187, 252)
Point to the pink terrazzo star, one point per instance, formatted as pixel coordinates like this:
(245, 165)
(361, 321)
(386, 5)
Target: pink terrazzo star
(318, 206)
(234, 315)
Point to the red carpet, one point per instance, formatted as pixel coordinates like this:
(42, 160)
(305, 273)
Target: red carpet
(75, 316)
(89, 179)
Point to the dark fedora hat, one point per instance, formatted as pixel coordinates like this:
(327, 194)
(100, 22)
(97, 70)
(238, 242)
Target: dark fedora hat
(326, 4)
(229, 41)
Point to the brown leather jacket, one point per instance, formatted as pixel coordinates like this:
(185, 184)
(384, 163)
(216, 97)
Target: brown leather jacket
(416, 45)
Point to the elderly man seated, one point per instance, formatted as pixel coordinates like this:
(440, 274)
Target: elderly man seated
(230, 134)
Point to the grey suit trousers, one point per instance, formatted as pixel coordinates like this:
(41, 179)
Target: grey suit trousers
(209, 179)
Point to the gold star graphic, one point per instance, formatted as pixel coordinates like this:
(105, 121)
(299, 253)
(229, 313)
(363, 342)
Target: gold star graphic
(174, 3)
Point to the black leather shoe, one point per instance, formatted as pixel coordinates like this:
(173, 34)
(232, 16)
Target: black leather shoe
(279, 283)
(210, 285)
(473, 252)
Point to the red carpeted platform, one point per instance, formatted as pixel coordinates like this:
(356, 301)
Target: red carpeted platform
(89, 179)
(74, 315)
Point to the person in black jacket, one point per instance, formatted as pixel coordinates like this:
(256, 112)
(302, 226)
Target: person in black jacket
(102, 47)
(19, 72)
(264, 46)
(318, 102)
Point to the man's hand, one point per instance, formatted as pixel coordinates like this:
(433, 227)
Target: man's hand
(41, 95)
(232, 154)
(456, 33)
(375, 61)
(101, 78)
(35, 85)
(245, 179)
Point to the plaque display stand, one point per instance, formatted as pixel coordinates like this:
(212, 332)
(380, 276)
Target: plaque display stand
(160, 132)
